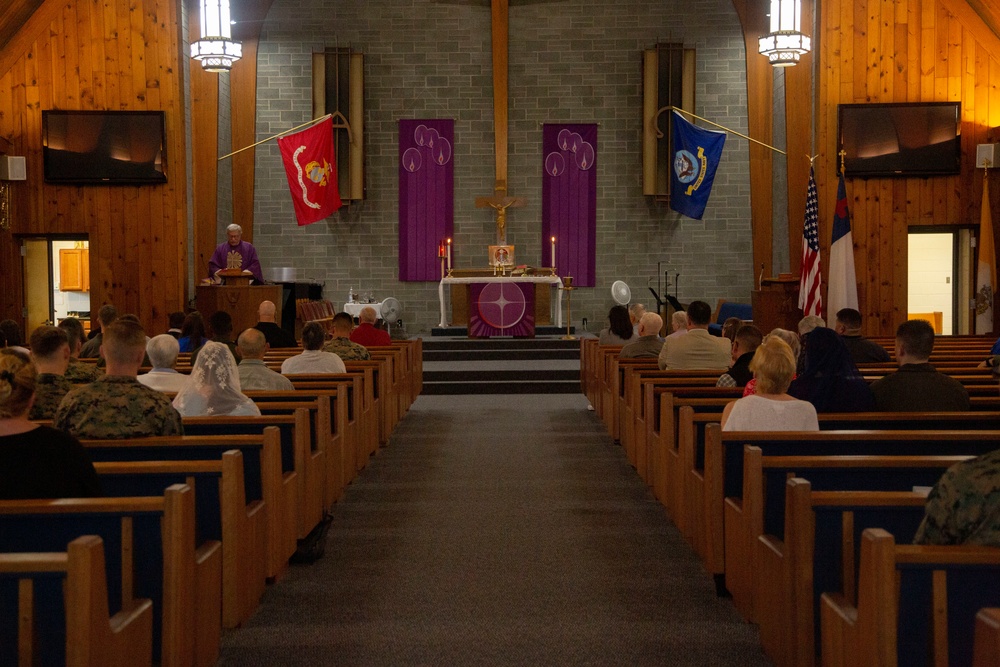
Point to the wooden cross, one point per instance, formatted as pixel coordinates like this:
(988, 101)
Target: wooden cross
(500, 202)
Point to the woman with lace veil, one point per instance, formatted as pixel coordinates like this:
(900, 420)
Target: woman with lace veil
(214, 387)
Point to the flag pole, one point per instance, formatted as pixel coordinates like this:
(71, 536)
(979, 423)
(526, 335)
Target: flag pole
(275, 136)
(659, 134)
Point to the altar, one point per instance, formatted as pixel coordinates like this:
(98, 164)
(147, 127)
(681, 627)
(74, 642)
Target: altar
(499, 305)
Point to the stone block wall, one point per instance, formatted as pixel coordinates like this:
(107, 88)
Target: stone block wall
(570, 61)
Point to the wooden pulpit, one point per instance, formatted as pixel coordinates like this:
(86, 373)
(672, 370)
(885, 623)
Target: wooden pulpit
(240, 301)
(235, 277)
(776, 303)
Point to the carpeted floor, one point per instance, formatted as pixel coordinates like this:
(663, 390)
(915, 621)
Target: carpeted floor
(498, 531)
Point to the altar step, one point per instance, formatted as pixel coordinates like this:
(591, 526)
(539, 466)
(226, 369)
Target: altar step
(501, 366)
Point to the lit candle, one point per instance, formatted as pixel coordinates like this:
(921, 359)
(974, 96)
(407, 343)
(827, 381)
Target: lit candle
(553, 252)
(449, 254)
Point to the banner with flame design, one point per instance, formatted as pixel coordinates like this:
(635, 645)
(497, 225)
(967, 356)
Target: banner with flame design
(569, 200)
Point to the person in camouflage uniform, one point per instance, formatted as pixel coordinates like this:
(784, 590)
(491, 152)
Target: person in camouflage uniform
(50, 354)
(964, 506)
(342, 345)
(78, 372)
(116, 405)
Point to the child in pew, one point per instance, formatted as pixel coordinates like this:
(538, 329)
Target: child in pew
(964, 506)
(36, 461)
(771, 408)
(213, 389)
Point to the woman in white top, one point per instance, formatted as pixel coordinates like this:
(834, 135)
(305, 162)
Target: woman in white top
(771, 408)
(213, 389)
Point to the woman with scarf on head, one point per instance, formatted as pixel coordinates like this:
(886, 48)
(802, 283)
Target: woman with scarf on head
(830, 380)
(213, 390)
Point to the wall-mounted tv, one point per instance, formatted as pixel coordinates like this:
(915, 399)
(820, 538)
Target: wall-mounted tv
(907, 139)
(103, 147)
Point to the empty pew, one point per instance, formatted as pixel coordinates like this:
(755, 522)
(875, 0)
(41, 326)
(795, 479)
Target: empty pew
(916, 605)
(78, 631)
(814, 550)
(986, 651)
(149, 553)
(267, 533)
(741, 504)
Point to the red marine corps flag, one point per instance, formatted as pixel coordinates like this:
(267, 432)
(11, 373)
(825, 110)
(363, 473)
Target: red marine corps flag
(311, 171)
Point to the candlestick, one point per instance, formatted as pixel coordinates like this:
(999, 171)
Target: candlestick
(449, 254)
(553, 252)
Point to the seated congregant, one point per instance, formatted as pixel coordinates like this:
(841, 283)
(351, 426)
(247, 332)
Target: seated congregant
(635, 313)
(697, 349)
(220, 324)
(254, 375)
(105, 316)
(746, 341)
(50, 355)
(313, 359)
(10, 336)
(619, 330)
(36, 461)
(647, 344)
(771, 408)
(366, 332)
(678, 324)
(77, 372)
(162, 351)
(830, 380)
(192, 332)
(213, 390)
(792, 340)
(863, 351)
(964, 505)
(341, 344)
(917, 386)
(116, 405)
(267, 325)
(175, 321)
(235, 253)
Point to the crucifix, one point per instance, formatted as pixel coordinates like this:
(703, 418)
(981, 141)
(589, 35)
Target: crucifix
(500, 202)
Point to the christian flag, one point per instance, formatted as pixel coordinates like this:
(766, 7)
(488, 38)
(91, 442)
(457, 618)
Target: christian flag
(695, 158)
(843, 288)
(810, 298)
(986, 274)
(311, 171)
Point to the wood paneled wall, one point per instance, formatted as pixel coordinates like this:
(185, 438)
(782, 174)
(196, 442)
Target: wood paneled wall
(901, 51)
(113, 54)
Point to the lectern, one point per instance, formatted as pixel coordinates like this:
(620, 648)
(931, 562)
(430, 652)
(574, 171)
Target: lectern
(776, 303)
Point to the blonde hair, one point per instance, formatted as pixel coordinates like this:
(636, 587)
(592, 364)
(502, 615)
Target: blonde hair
(773, 365)
(17, 383)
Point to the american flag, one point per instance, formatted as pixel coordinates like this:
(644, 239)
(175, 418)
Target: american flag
(810, 299)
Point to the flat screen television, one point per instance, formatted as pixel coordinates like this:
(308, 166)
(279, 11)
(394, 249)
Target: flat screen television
(906, 139)
(103, 147)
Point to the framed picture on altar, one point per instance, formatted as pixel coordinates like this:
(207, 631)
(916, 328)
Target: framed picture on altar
(501, 256)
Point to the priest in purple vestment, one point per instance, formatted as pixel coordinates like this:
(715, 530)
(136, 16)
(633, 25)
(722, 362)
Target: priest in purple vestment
(235, 253)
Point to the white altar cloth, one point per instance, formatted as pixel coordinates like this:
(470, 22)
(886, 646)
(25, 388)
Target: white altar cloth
(555, 281)
(354, 309)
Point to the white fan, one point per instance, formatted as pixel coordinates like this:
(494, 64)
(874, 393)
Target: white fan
(390, 312)
(621, 293)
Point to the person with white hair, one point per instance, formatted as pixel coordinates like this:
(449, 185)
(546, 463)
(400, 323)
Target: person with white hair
(648, 344)
(678, 324)
(162, 351)
(366, 333)
(235, 253)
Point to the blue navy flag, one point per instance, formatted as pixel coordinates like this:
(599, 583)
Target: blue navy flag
(695, 159)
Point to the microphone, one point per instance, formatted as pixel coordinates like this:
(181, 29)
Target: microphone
(760, 280)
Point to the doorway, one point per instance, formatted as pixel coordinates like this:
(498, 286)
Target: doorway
(56, 280)
(939, 272)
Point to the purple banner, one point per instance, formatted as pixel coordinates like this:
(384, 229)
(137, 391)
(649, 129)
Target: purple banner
(569, 200)
(426, 196)
(501, 309)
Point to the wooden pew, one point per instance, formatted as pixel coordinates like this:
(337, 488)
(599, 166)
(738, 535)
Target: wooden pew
(916, 604)
(83, 629)
(986, 652)
(150, 553)
(266, 531)
(815, 549)
(741, 504)
(228, 582)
